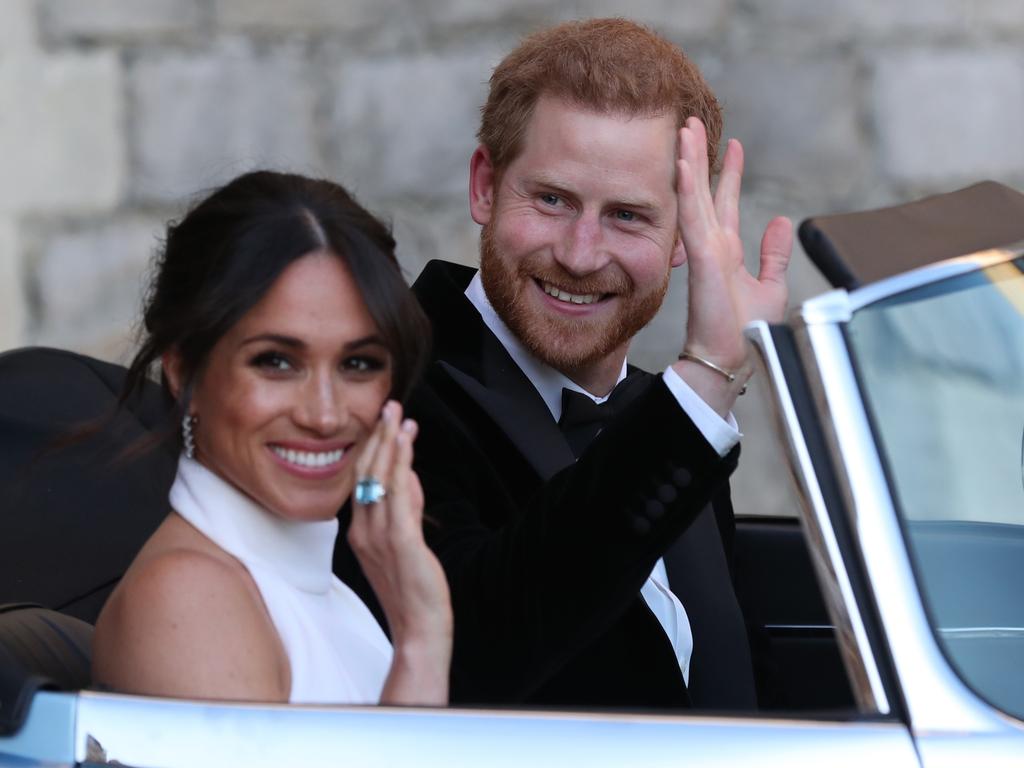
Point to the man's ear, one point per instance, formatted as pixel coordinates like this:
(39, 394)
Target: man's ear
(481, 185)
(678, 253)
(172, 366)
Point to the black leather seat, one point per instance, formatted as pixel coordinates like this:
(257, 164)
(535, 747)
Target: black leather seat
(39, 648)
(73, 517)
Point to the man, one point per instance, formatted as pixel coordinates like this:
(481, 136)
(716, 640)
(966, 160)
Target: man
(591, 182)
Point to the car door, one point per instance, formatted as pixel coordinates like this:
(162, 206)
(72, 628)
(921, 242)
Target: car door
(906, 399)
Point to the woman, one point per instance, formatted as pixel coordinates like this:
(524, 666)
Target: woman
(283, 327)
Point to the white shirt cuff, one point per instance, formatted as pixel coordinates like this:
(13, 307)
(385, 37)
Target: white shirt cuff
(721, 433)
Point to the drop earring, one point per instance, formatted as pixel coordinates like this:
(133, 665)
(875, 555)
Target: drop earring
(188, 423)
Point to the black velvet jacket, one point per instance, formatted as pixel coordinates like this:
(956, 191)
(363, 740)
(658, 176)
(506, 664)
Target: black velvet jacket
(546, 556)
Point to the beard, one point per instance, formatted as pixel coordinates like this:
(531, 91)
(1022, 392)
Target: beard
(564, 343)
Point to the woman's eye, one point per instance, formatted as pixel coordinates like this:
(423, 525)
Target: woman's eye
(363, 364)
(272, 361)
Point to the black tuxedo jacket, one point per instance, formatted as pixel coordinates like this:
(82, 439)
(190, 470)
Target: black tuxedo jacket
(546, 556)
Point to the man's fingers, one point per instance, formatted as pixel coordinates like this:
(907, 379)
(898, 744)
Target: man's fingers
(727, 195)
(776, 248)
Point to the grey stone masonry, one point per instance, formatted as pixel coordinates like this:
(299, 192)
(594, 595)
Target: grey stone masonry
(60, 129)
(67, 21)
(392, 105)
(86, 265)
(950, 116)
(114, 114)
(199, 119)
(12, 294)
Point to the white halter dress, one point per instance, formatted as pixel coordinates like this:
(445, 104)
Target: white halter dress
(337, 651)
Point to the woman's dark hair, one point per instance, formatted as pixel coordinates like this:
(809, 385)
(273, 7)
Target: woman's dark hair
(223, 257)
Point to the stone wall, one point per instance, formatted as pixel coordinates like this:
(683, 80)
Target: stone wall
(114, 112)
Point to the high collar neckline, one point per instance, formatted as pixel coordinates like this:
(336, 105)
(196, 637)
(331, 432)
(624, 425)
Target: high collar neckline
(300, 552)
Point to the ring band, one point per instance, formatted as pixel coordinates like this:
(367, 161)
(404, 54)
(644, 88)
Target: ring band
(369, 491)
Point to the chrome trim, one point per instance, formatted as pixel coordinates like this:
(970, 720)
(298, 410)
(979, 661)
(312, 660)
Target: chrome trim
(838, 306)
(936, 698)
(831, 307)
(48, 734)
(932, 273)
(865, 681)
(141, 731)
(981, 632)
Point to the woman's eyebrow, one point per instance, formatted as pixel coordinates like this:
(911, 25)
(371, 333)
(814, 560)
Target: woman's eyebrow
(276, 338)
(366, 341)
(295, 343)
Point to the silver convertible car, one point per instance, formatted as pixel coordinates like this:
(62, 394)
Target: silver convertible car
(889, 618)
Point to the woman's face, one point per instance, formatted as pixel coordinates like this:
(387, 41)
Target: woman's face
(293, 390)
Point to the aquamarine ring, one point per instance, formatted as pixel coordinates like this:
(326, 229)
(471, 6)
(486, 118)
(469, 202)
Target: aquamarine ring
(369, 491)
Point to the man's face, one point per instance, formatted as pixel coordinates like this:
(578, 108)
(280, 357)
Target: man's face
(579, 235)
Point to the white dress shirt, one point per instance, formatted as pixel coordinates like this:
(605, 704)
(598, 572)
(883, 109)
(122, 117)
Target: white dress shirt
(721, 434)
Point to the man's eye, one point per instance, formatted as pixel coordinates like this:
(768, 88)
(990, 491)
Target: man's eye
(550, 199)
(625, 215)
(273, 361)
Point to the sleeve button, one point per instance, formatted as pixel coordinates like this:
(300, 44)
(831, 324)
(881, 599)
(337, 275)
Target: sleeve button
(641, 526)
(654, 509)
(682, 477)
(666, 494)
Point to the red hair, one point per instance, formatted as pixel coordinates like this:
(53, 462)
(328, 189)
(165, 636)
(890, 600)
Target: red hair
(607, 65)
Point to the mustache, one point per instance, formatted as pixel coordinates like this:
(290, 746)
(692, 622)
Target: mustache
(608, 280)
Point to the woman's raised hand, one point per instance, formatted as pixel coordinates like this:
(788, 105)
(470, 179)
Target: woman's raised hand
(387, 538)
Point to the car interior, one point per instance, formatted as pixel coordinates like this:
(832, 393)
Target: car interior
(84, 485)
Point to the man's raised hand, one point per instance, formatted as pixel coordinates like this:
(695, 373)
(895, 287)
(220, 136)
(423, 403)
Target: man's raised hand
(723, 295)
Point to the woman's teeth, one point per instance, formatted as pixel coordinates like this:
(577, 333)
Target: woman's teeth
(572, 298)
(308, 458)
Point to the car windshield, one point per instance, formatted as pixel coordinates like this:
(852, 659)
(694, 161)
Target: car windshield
(942, 370)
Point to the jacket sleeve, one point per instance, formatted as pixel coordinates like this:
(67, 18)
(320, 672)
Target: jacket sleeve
(533, 580)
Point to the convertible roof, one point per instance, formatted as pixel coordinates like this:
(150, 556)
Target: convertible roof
(852, 249)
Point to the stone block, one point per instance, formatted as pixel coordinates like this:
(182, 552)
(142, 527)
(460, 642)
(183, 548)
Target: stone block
(945, 115)
(17, 27)
(304, 15)
(90, 281)
(670, 17)
(441, 230)
(796, 115)
(61, 132)
(1005, 16)
(200, 120)
(832, 19)
(407, 125)
(12, 291)
(68, 20)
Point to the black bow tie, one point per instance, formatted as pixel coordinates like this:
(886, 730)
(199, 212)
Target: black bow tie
(582, 418)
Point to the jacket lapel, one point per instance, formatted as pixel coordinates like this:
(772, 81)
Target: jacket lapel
(475, 360)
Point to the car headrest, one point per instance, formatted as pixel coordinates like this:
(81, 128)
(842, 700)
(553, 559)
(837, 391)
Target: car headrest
(73, 517)
(852, 249)
(39, 648)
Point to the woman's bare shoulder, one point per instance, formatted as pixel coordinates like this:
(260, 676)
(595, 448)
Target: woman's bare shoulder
(186, 621)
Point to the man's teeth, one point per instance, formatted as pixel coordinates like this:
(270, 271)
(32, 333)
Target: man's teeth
(572, 298)
(308, 458)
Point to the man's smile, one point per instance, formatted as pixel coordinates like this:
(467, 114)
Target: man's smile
(570, 298)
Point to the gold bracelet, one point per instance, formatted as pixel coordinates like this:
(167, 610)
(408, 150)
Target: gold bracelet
(729, 376)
